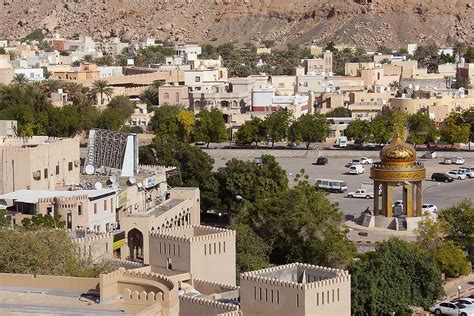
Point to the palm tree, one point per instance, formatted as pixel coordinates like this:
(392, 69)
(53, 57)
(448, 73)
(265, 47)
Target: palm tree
(459, 48)
(51, 85)
(77, 93)
(150, 96)
(20, 78)
(101, 86)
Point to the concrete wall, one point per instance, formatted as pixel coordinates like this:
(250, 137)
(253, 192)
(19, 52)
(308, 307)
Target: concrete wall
(49, 282)
(201, 307)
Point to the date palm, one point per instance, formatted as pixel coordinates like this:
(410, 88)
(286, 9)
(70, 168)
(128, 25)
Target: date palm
(20, 79)
(101, 87)
(77, 93)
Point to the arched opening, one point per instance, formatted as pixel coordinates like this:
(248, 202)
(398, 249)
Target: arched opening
(135, 244)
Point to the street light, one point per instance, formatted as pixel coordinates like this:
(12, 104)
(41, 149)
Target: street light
(459, 291)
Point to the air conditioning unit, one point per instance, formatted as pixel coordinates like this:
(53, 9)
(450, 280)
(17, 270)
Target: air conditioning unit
(77, 163)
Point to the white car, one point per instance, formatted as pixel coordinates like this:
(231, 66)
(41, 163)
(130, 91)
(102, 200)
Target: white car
(353, 162)
(447, 161)
(361, 193)
(431, 208)
(449, 308)
(356, 169)
(455, 174)
(365, 161)
(458, 161)
(469, 302)
(469, 171)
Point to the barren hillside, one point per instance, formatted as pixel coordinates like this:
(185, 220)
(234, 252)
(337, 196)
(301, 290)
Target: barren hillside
(392, 22)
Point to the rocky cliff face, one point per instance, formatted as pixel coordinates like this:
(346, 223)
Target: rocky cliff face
(390, 22)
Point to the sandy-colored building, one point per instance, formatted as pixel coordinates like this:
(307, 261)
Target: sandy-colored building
(8, 128)
(319, 66)
(438, 107)
(82, 209)
(207, 253)
(296, 289)
(86, 71)
(38, 163)
(140, 116)
(173, 94)
(284, 85)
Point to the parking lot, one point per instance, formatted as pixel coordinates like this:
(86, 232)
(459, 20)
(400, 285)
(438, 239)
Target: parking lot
(441, 194)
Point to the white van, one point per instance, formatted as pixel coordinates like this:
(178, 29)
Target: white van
(356, 169)
(341, 142)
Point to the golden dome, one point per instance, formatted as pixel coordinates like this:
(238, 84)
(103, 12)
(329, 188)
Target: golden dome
(398, 152)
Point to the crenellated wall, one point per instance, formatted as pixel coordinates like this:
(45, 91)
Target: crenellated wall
(93, 245)
(201, 307)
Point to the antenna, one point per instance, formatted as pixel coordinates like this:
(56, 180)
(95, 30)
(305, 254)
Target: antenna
(89, 169)
(98, 186)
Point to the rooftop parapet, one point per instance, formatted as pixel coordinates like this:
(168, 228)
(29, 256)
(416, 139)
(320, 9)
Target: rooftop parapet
(188, 233)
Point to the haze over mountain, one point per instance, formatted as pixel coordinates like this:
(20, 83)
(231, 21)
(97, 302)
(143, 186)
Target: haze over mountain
(391, 22)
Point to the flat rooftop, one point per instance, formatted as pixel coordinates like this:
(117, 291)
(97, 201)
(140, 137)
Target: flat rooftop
(25, 301)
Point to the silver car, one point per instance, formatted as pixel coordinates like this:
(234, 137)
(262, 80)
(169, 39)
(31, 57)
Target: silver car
(449, 308)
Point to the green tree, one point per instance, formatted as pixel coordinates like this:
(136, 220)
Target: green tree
(427, 56)
(393, 278)
(385, 50)
(3, 51)
(102, 88)
(455, 130)
(251, 250)
(186, 124)
(468, 117)
(358, 131)
(210, 127)
(450, 257)
(164, 123)
(339, 112)
(77, 93)
(309, 128)
(20, 78)
(277, 124)
(459, 50)
(150, 96)
(301, 225)
(460, 218)
(36, 35)
(252, 131)
(41, 221)
(45, 252)
(421, 129)
(381, 129)
(4, 222)
(118, 111)
(194, 167)
(250, 181)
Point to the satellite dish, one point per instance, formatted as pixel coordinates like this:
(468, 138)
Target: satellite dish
(132, 180)
(112, 179)
(140, 185)
(98, 186)
(115, 185)
(90, 169)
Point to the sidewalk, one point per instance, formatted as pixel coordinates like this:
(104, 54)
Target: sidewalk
(466, 283)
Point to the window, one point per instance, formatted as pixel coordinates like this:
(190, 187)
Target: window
(197, 79)
(79, 210)
(95, 208)
(45, 173)
(255, 293)
(105, 205)
(57, 169)
(297, 300)
(167, 96)
(205, 250)
(177, 97)
(69, 166)
(111, 205)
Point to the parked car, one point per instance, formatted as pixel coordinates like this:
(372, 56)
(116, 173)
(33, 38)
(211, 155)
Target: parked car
(469, 171)
(429, 155)
(429, 208)
(356, 169)
(447, 161)
(449, 308)
(441, 177)
(322, 160)
(465, 301)
(257, 161)
(361, 193)
(458, 161)
(353, 162)
(455, 174)
(365, 161)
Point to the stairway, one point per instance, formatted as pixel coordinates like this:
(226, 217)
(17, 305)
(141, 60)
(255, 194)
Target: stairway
(401, 224)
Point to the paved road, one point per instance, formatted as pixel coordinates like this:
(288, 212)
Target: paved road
(440, 194)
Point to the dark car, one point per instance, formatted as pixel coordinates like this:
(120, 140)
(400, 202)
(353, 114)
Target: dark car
(441, 177)
(322, 160)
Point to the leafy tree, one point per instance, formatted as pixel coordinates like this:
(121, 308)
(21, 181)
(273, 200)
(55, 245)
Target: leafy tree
(427, 56)
(277, 124)
(339, 112)
(252, 131)
(4, 222)
(460, 218)
(41, 221)
(210, 127)
(469, 55)
(381, 129)
(450, 257)
(310, 128)
(468, 117)
(393, 278)
(301, 225)
(164, 122)
(250, 181)
(251, 250)
(385, 50)
(455, 130)
(20, 78)
(101, 87)
(118, 111)
(193, 164)
(421, 129)
(36, 35)
(358, 130)
(45, 252)
(186, 124)
(3, 51)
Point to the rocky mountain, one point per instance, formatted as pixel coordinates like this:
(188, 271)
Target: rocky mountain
(360, 22)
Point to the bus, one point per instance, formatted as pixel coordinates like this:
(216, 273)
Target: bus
(335, 186)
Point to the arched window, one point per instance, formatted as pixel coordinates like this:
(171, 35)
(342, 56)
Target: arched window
(177, 97)
(167, 96)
